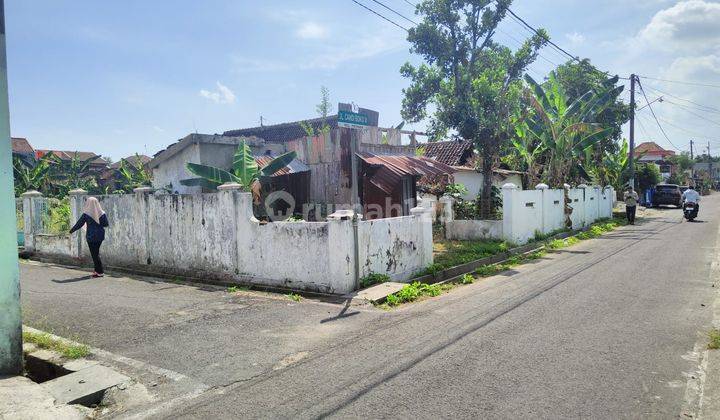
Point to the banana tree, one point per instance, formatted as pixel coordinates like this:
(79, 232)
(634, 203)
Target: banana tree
(245, 171)
(610, 168)
(565, 129)
(528, 151)
(133, 174)
(35, 177)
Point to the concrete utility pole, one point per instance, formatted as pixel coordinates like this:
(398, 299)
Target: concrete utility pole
(631, 152)
(692, 160)
(710, 172)
(10, 321)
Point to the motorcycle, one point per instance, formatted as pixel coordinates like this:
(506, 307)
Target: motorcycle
(690, 211)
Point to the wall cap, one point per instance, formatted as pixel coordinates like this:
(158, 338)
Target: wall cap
(509, 186)
(583, 186)
(31, 193)
(541, 186)
(446, 199)
(229, 186)
(343, 215)
(77, 191)
(143, 190)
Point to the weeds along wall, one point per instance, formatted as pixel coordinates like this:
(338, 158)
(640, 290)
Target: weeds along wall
(216, 236)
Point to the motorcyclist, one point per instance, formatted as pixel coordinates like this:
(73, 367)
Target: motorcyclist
(692, 196)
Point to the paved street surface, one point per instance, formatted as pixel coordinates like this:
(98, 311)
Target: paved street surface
(611, 328)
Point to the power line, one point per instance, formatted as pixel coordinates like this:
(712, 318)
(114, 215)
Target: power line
(654, 116)
(536, 32)
(520, 43)
(395, 11)
(411, 3)
(685, 108)
(690, 132)
(707, 108)
(682, 82)
(379, 15)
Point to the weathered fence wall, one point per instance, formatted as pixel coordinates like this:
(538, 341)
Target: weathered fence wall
(216, 235)
(527, 213)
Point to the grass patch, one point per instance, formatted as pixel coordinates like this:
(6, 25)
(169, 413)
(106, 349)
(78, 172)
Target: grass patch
(294, 297)
(373, 279)
(234, 289)
(45, 341)
(714, 336)
(467, 279)
(453, 253)
(415, 291)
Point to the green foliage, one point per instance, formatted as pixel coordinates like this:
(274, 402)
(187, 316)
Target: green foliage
(46, 341)
(566, 128)
(470, 81)
(467, 279)
(454, 253)
(473, 210)
(33, 177)
(647, 176)
(57, 218)
(373, 279)
(714, 336)
(133, 175)
(415, 291)
(294, 297)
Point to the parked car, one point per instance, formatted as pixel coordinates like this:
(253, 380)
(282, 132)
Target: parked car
(667, 194)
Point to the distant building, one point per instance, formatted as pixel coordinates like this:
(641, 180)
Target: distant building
(460, 155)
(96, 163)
(651, 152)
(710, 168)
(22, 149)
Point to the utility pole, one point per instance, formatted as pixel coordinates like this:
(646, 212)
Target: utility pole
(631, 151)
(692, 160)
(712, 178)
(10, 317)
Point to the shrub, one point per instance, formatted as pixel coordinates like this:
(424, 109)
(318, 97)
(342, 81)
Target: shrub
(372, 279)
(467, 279)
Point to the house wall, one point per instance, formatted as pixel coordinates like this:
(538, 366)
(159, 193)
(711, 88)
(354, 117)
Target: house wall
(468, 230)
(473, 181)
(215, 236)
(172, 170)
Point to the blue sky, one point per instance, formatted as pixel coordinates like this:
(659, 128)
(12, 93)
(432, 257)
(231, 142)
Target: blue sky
(133, 76)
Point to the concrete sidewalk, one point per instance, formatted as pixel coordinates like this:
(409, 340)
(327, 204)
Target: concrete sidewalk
(23, 399)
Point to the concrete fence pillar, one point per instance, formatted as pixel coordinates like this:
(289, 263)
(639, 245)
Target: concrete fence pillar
(448, 214)
(344, 249)
(77, 202)
(509, 193)
(227, 200)
(543, 206)
(141, 214)
(424, 221)
(31, 217)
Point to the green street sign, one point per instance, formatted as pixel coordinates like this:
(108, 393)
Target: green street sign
(352, 119)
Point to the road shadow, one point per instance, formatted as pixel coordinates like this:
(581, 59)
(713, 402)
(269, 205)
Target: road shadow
(72, 280)
(343, 313)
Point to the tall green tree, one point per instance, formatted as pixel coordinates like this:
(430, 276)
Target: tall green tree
(472, 82)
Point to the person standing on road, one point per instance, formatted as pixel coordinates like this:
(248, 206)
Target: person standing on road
(96, 220)
(631, 200)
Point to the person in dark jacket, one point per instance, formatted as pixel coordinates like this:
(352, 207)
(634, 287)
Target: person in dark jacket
(94, 217)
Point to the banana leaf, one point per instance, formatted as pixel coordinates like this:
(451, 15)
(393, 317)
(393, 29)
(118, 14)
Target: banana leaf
(278, 163)
(215, 175)
(244, 165)
(199, 182)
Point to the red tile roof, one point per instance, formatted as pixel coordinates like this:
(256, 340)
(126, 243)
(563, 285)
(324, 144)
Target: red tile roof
(136, 160)
(391, 169)
(21, 145)
(451, 153)
(652, 148)
(66, 156)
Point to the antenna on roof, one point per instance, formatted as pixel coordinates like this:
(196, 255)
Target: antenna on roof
(261, 120)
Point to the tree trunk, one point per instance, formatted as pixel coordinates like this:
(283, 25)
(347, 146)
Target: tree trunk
(487, 209)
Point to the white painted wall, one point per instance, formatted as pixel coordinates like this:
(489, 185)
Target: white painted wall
(528, 212)
(216, 235)
(173, 170)
(473, 181)
(467, 230)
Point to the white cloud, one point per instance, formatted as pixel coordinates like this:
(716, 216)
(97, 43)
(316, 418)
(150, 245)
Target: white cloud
(223, 94)
(575, 38)
(691, 26)
(312, 30)
(362, 48)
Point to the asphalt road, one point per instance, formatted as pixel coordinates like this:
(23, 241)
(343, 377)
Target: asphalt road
(610, 328)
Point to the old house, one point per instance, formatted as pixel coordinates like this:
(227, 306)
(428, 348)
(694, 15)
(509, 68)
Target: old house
(651, 152)
(460, 155)
(22, 150)
(321, 178)
(96, 163)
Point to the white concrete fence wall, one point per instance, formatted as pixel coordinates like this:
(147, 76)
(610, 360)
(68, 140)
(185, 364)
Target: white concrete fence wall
(216, 235)
(527, 213)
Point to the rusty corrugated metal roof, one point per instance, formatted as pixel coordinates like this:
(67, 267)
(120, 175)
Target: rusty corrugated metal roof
(293, 167)
(391, 169)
